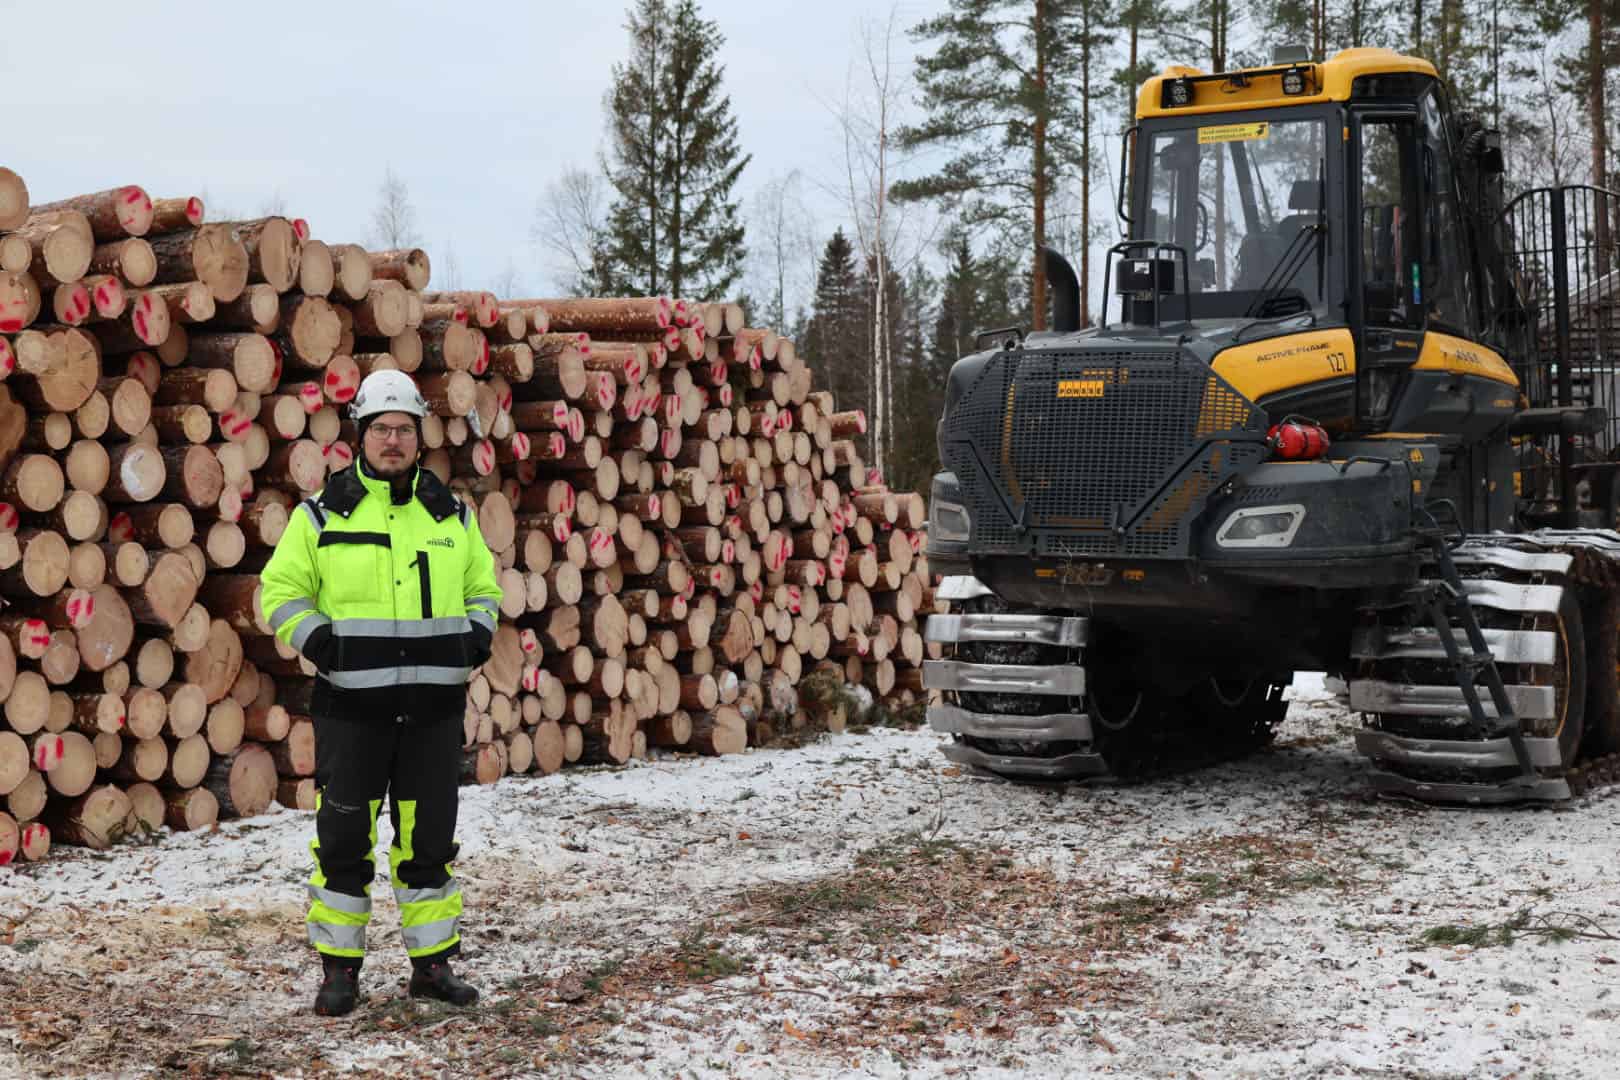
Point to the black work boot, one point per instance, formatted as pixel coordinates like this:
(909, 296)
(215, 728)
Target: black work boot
(433, 978)
(340, 987)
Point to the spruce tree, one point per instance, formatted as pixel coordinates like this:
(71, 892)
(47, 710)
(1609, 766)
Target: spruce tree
(835, 337)
(674, 226)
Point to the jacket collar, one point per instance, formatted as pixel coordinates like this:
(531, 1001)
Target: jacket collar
(350, 485)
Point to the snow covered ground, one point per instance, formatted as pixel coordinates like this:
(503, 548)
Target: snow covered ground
(859, 907)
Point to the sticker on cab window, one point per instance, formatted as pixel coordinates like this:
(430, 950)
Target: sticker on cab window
(1233, 132)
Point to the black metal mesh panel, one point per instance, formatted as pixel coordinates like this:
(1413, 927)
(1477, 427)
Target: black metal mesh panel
(1563, 249)
(1103, 452)
(979, 418)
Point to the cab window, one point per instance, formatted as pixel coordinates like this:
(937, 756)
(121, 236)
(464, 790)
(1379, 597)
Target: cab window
(1391, 264)
(1446, 273)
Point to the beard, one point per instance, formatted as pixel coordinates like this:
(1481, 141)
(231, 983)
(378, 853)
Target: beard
(390, 465)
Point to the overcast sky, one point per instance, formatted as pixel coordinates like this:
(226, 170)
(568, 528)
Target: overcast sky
(476, 105)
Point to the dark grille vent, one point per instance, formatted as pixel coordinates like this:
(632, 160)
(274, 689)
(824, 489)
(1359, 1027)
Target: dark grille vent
(1102, 453)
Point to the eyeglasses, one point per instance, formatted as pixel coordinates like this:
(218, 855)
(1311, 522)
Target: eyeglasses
(383, 432)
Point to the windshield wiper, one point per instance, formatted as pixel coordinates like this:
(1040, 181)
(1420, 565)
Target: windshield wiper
(1287, 267)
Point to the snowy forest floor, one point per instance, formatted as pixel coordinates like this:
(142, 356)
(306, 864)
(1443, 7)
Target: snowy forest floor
(859, 907)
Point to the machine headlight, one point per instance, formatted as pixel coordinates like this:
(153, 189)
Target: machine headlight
(949, 522)
(1179, 93)
(1293, 82)
(1261, 527)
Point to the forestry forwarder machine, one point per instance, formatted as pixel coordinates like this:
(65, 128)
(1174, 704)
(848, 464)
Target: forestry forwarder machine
(1350, 414)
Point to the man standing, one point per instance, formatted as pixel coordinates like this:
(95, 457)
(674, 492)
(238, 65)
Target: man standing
(384, 583)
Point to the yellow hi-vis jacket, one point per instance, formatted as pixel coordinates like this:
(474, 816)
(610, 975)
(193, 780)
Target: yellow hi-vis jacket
(394, 602)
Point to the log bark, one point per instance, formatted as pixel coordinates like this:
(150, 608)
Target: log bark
(13, 200)
(172, 215)
(95, 820)
(209, 254)
(295, 755)
(190, 810)
(132, 260)
(117, 212)
(273, 251)
(722, 731)
(409, 266)
(244, 783)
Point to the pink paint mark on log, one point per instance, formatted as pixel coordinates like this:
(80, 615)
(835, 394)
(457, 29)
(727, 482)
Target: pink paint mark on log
(529, 641)
(520, 446)
(655, 505)
(140, 326)
(120, 529)
(10, 326)
(5, 858)
(728, 551)
(757, 591)
(559, 413)
(561, 529)
(8, 517)
(300, 226)
(194, 214)
(557, 445)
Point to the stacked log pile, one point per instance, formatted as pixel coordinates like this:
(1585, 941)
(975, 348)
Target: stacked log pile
(683, 525)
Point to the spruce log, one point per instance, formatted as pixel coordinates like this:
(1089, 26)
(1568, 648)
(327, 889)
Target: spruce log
(190, 810)
(95, 820)
(244, 782)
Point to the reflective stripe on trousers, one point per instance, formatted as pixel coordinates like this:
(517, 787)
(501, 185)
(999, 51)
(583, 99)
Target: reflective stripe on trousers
(430, 919)
(336, 922)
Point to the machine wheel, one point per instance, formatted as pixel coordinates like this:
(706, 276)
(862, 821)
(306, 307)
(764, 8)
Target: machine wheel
(1567, 675)
(1602, 720)
(1125, 721)
(1241, 714)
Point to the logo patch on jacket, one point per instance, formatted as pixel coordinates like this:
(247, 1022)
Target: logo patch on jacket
(441, 541)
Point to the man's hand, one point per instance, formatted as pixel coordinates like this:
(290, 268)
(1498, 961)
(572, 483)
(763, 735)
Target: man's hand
(321, 649)
(478, 645)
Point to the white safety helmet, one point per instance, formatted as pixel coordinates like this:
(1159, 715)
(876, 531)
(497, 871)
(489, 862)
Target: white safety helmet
(388, 391)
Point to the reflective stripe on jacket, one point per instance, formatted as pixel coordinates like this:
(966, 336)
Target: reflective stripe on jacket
(398, 583)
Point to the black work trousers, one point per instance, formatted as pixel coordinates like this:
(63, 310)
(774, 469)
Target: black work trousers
(416, 764)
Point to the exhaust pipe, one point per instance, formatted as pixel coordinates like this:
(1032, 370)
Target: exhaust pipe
(1065, 289)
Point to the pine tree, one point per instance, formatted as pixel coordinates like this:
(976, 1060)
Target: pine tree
(1001, 89)
(674, 227)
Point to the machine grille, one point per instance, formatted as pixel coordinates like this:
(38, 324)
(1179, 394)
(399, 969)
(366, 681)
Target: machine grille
(1096, 452)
